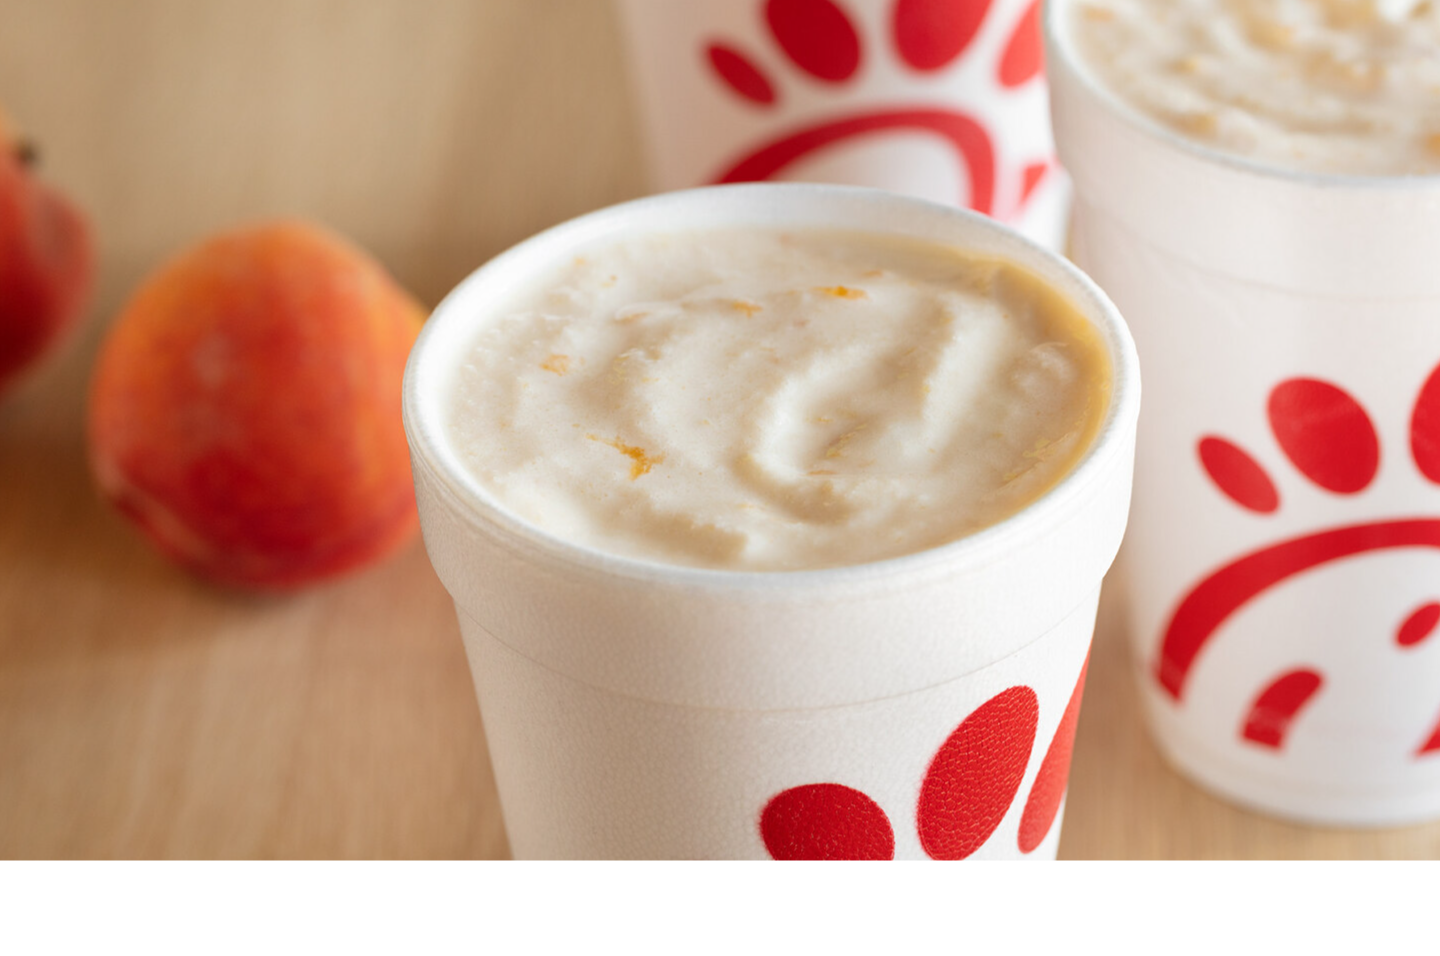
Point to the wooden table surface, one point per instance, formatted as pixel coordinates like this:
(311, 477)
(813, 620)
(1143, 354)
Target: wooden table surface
(143, 714)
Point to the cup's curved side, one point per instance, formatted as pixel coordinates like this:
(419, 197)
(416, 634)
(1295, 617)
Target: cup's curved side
(964, 121)
(1286, 325)
(974, 768)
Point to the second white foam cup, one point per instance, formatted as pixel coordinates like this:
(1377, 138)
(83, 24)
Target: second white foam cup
(940, 101)
(1284, 548)
(918, 706)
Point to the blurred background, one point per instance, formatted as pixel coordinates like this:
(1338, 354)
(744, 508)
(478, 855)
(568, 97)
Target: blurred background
(421, 131)
(145, 714)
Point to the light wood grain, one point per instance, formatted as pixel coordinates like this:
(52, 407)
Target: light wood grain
(143, 714)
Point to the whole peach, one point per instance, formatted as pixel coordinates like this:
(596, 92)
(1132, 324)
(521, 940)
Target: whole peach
(47, 263)
(245, 408)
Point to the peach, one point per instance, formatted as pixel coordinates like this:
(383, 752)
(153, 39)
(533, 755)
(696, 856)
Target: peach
(245, 408)
(47, 263)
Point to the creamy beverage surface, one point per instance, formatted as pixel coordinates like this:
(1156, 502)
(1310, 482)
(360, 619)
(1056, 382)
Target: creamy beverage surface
(776, 400)
(1347, 87)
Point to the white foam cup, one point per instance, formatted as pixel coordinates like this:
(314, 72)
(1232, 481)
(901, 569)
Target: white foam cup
(909, 707)
(1284, 547)
(942, 101)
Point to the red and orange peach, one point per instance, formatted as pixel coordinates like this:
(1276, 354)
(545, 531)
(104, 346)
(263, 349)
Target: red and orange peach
(245, 408)
(47, 263)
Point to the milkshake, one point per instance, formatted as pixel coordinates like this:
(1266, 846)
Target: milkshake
(775, 399)
(1258, 187)
(775, 519)
(1349, 87)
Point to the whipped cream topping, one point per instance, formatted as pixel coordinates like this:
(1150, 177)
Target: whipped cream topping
(777, 400)
(1347, 87)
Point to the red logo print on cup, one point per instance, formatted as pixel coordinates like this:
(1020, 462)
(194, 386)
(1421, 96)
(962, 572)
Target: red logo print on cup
(818, 40)
(968, 788)
(1329, 438)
